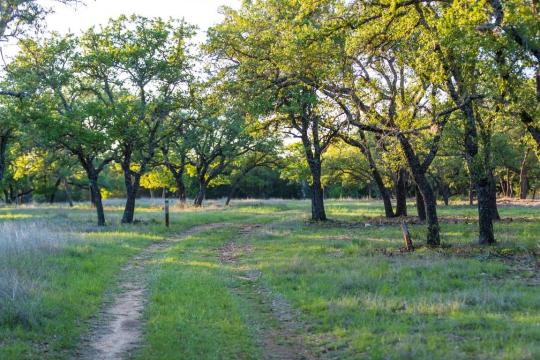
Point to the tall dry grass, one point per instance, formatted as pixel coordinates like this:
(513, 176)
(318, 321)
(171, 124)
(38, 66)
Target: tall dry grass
(25, 247)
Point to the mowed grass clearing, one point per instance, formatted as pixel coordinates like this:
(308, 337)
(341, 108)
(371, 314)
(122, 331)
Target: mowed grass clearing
(351, 290)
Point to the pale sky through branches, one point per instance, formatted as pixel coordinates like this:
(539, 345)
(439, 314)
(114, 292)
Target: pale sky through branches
(202, 13)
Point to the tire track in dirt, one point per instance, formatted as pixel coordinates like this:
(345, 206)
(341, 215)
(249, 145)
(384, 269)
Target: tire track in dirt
(277, 326)
(118, 330)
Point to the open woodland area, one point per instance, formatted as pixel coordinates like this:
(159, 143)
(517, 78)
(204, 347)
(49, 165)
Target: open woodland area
(302, 179)
(258, 281)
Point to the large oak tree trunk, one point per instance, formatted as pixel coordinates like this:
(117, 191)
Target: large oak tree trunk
(401, 193)
(480, 179)
(430, 205)
(178, 174)
(485, 213)
(201, 195)
(313, 157)
(92, 196)
(385, 194)
(318, 212)
(96, 197)
(181, 191)
(132, 182)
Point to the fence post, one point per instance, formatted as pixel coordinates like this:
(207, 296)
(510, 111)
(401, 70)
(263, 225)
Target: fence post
(407, 237)
(167, 213)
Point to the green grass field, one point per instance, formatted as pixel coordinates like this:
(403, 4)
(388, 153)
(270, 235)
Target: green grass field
(268, 284)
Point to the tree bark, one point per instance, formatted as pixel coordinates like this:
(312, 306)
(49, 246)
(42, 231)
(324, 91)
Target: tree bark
(181, 191)
(523, 181)
(485, 213)
(93, 176)
(480, 178)
(180, 186)
(420, 207)
(401, 193)
(55, 189)
(68, 193)
(201, 195)
(132, 188)
(313, 152)
(232, 190)
(430, 200)
(493, 198)
(3, 150)
(385, 194)
(92, 196)
(99, 204)
(318, 212)
(528, 121)
(471, 191)
(96, 195)
(445, 193)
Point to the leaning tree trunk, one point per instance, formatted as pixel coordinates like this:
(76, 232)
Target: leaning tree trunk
(54, 190)
(375, 174)
(231, 193)
(385, 194)
(401, 193)
(430, 200)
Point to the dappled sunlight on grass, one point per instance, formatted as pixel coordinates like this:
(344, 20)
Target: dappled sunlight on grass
(372, 303)
(15, 216)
